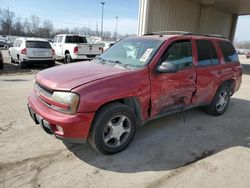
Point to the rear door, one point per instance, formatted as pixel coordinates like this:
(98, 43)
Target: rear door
(172, 91)
(39, 49)
(209, 71)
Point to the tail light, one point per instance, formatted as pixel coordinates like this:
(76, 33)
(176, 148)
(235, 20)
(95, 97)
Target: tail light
(101, 49)
(24, 51)
(53, 52)
(76, 50)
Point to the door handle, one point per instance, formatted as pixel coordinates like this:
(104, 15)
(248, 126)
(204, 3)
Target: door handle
(219, 72)
(190, 76)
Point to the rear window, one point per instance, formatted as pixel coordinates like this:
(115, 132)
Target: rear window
(75, 39)
(228, 51)
(37, 44)
(207, 54)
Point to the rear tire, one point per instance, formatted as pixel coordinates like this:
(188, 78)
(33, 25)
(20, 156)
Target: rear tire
(22, 65)
(12, 60)
(113, 129)
(67, 58)
(51, 64)
(1, 65)
(220, 101)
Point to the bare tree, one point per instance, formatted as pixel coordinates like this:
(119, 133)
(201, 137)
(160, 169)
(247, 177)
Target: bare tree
(47, 28)
(35, 22)
(7, 20)
(27, 27)
(18, 27)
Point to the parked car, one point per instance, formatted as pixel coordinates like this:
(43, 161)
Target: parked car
(5, 43)
(1, 60)
(28, 51)
(75, 47)
(105, 100)
(248, 54)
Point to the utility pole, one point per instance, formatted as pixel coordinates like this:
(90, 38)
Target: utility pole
(116, 20)
(103, 3)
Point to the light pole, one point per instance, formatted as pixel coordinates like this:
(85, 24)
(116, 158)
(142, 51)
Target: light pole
(103, 3)
(116, 20)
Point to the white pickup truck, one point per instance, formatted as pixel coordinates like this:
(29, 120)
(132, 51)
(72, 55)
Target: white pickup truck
(74, 47)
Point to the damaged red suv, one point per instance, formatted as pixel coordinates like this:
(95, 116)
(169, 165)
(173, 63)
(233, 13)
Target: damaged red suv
(139, 78)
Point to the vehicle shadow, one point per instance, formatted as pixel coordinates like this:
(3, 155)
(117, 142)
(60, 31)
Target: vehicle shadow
(10, 68)
(176, 140)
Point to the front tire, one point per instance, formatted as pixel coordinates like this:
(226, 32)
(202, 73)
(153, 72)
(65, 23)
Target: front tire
(113, 129)
(220, 101)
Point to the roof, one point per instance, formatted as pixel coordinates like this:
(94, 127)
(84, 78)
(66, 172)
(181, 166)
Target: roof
(32, 39)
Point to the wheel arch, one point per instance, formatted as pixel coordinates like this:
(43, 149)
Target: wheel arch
(132, 102)
(66, 52)
(230, 83)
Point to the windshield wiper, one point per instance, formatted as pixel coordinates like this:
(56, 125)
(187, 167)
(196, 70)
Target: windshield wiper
(101, 60)
(118, 62)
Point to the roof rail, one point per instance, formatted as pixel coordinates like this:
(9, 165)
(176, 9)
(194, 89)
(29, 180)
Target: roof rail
(205, 35)
(166, 33)
(183, 33)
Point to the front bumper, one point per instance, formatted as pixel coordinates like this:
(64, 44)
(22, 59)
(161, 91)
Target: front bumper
(75, 127)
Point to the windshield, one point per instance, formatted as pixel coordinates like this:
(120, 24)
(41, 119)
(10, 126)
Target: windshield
(133, 52)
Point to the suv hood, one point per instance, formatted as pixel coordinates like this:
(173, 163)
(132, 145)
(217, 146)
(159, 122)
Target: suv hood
(68, 77)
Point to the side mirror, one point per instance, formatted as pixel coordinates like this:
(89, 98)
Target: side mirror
(167, 67)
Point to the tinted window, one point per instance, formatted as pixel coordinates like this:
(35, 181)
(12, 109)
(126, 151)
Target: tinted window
(75, 39)
(207, 54)
(179, 53)
(228, 51)
(37, 44)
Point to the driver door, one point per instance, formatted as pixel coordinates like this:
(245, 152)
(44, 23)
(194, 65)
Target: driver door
(173, 91)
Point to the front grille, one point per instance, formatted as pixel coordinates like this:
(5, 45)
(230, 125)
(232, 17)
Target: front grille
(43, 91)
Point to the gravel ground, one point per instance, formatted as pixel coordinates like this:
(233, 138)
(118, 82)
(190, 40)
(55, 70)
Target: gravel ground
(187, 149)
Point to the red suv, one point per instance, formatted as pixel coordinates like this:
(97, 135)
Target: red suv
(137, 79)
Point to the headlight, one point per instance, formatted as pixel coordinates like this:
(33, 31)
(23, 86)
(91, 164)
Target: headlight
(66, 102)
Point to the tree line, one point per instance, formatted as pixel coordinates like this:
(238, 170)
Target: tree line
(242, 44)
(33, 26)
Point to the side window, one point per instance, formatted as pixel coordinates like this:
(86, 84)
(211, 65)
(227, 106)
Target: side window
(20, 43)
(60, 39)
(207, 54)
(228, 51)
(179, 53)
(55, 39)
(15, 43)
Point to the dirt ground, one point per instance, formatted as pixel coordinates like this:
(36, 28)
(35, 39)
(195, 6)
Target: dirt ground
(187, 149)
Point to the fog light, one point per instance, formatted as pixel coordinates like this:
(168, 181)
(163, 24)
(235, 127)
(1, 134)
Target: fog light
(59, 128)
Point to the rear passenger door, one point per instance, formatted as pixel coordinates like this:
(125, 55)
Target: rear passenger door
(172, 91)
(209, 71)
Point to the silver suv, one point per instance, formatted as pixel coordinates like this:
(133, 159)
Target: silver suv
(26, 51)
